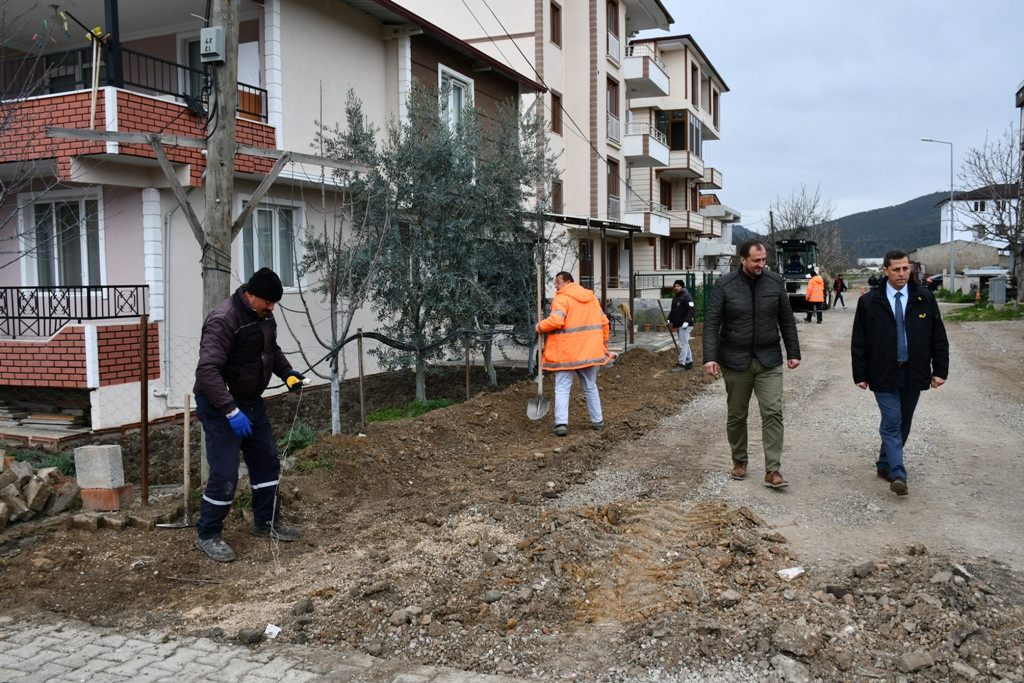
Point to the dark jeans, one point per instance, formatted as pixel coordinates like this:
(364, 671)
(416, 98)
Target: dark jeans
(897, 415)
(222, 446)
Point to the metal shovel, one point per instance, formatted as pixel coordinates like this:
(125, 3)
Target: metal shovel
(536, 408)
(187, 485)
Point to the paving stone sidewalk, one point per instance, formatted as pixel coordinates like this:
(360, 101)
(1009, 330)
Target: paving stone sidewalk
(47, 649)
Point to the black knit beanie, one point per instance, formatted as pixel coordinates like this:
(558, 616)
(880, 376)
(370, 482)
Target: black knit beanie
(680, 283)
(265, 284)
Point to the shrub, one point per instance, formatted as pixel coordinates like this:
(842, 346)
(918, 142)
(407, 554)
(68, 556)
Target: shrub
(39, 459)
(298, 437)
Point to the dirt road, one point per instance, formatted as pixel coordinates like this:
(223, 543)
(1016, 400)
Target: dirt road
(963, 456)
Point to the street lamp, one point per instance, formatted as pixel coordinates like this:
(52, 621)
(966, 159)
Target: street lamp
(952, 271)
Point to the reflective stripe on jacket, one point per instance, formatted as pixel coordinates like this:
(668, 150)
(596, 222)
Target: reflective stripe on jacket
(577, 331)
(815, 289)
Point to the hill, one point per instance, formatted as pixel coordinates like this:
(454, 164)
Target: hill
(869, 234)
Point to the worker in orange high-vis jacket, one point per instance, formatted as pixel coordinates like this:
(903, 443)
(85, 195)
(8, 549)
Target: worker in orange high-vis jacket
(815, 295)
(576, 344)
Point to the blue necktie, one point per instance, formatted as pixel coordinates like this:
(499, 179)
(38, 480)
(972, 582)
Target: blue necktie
(901, 331)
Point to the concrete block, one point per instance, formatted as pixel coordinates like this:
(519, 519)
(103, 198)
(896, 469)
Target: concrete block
(107, 499)
(99, 467)
(7, 477)
(5, 515)
(15, 503)
(65, 493)
(141, 523)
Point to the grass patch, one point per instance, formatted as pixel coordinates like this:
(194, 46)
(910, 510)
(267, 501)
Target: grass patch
(39, 459)
(985, 313)
(298, 437)
(414, 409)
(321, 463)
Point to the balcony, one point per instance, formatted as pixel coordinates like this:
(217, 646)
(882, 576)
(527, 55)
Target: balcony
(614, 128)
(686, 224)
(652, 216)
(40, 312)
(72, 70)
(645, 73)
(645, 146)
(683, 164)
(712, 179)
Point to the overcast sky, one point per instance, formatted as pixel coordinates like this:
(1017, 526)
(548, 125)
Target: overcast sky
(838, 94)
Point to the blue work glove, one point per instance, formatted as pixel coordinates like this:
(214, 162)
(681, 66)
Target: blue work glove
(294, 380)
(240, 423)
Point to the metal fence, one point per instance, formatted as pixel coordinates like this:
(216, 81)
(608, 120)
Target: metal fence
(42, 311)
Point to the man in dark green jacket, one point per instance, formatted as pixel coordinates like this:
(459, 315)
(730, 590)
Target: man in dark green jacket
(747, 310)
(899, 349)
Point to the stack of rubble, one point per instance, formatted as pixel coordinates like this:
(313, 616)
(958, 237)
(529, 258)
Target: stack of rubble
(26, 492)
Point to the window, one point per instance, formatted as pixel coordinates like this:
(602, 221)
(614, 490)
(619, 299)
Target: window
(613, 189)
(612, 102)
(556, 24)
(613, 30)
(557, 200)
(695, 85)
(63, 241)
(666, 253)
(682, 131)
(979, 232)
(979, 206)
(666, 194)
(1002, 205)
(456, 94)
(556, 113)
(715, 103)
(269, 240)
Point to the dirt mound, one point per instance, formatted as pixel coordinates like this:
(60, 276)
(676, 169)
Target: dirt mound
(474, 538)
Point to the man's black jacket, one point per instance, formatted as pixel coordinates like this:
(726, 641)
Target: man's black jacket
(873, 344)
(683, 310)
(744, 318)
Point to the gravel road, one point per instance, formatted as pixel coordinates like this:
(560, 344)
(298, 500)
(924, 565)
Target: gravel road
(962, 457)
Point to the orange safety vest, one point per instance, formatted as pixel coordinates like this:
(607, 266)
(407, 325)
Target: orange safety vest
(577, 331)
(815, 289)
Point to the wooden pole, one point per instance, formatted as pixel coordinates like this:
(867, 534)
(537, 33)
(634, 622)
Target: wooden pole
(362, 394)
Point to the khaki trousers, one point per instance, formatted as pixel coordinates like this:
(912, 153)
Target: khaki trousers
(766, 385)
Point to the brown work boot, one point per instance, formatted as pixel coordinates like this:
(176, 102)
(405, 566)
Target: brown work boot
(774, 480)
(739, 471)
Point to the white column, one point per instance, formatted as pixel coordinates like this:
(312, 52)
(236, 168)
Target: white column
(153, 251)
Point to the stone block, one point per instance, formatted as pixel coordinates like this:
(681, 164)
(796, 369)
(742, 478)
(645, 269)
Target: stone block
(51, 475)
(23, 470)
(7, 478)
(99, 467)
(141, 523)
(15, 502)
(5, 515)
(36, 492)
(65, 493)
(107, 499)
(116, 522)
(88, 521)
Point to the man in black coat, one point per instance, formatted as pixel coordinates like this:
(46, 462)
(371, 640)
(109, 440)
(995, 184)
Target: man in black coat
(681, 319)
(748, 313)
(899, 349)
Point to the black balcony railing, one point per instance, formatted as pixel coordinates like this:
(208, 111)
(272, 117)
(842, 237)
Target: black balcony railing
(57, 72)
(40, 312)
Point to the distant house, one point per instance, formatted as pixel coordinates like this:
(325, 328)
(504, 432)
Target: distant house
(975, 209)
(100, 239)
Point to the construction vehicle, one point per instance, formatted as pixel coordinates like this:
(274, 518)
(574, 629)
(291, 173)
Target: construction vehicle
(794, 261)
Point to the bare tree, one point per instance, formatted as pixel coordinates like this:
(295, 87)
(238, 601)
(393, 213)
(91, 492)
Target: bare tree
(994, 173)
(807, 215)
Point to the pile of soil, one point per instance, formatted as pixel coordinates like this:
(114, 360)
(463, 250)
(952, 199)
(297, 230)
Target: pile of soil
(472, 537)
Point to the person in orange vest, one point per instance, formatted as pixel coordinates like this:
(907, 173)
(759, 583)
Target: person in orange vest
(576, 344)
(815, 295)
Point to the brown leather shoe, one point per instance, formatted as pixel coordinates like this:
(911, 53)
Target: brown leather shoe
(739, 472)
(775, 480)
(899, 487)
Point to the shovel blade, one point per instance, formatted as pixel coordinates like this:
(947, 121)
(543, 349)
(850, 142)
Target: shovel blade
(536, 408)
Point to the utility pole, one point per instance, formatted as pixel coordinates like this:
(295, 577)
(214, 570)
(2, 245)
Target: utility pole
(771, 231)
(220, 159)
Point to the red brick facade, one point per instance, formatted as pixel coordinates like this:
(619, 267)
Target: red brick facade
(60, 361)
(25, 138)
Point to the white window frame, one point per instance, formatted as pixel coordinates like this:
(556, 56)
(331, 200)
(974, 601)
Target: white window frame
(289, 277)
(448, 108)
(27, 238)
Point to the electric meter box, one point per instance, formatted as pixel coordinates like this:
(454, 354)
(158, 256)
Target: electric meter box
(211, 44)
